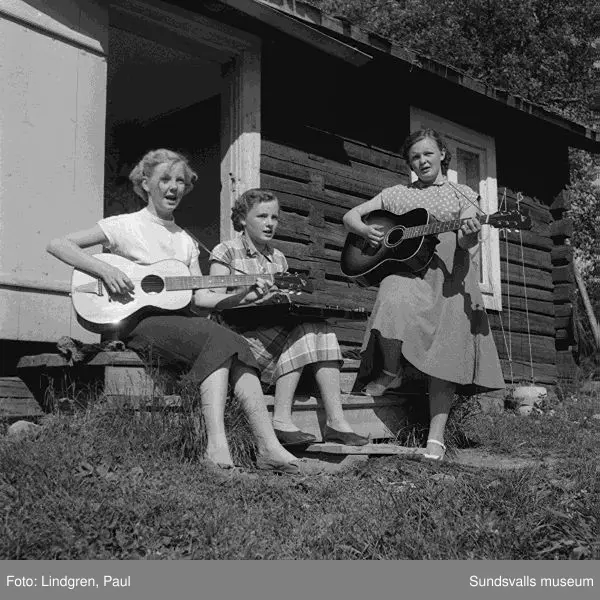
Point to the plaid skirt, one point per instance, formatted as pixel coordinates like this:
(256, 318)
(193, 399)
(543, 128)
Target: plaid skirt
(281, 349)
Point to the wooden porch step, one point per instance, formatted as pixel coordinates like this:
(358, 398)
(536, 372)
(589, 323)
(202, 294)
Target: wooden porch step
(124, 379)
(16, 401)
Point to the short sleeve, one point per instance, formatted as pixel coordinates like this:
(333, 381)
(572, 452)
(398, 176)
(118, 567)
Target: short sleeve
(393, 199)
(221, 253)
(195, 254)
(113, 230)
(281, 260)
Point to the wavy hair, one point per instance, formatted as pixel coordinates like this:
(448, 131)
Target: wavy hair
(245, 202)
(151, 160)
(421, 134)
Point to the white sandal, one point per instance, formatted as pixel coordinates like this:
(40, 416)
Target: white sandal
(435, 456)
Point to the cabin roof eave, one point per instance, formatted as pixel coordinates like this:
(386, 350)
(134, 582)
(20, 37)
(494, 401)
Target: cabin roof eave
(358, 46)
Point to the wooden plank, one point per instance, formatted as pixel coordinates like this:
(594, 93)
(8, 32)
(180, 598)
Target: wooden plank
(533, 277)
(126, 358)
(562, 255)
(561, 229)
(518, 291)
(539, 213)
(532, 257)
(12, 409)
(377, 157)
(520, 303)
(563, 274)
(356, 170)
(531, 239)
(378, 418)
(522, 322)
(563, 310)
(542, 347)
(565, 292)
(518, 372)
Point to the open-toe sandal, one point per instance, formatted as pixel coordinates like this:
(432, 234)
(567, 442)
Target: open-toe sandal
(438, 457)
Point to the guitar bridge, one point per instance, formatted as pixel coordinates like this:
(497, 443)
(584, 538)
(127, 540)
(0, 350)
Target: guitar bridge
(91, 288)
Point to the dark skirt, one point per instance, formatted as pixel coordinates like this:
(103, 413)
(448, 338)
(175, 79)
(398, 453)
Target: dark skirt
(189, 343)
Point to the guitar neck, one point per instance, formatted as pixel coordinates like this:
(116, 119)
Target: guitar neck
(212, 281)
(439, 227)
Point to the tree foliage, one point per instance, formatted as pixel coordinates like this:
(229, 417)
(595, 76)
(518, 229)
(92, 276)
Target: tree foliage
(543, 51)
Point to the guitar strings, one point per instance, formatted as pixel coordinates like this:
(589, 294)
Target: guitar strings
(519, 199)
(508, 346)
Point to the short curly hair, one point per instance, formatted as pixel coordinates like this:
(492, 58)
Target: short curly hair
(246, 201)
(421, 134)
(151, 160)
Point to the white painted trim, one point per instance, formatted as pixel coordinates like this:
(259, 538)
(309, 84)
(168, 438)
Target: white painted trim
(241, 132)
(23, 13)
(60, 288)
(458, 136)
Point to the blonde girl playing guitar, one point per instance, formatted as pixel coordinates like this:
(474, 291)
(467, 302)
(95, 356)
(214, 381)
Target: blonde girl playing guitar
(213, 354)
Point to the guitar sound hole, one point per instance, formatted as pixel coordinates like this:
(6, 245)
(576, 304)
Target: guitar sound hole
(153, 284)
(394, 236)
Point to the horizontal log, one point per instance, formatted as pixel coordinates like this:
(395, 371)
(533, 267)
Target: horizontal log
(377, 157)
(542, 347)
(355, 170)
(562, 255)
(531, 239)
(561, 229)
(523, 322)
(563, 310)
(521, 303)
(563, 274)
(563, 322)
(565, 292)
(521, 372)
(519, 291)
(539, 213)
(513, 273)
(532, 257)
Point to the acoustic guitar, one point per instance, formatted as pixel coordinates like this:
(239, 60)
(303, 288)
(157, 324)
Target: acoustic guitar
(163, 286)
(409, 242)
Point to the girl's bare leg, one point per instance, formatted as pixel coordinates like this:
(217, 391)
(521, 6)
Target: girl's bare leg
(247, 388)
(213, 392)
(441, 395)
(285, 388)
(327, 375)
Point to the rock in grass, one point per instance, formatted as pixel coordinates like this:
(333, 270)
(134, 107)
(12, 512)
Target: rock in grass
(24, 428)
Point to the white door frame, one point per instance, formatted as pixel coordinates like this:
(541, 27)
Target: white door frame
(239, 53)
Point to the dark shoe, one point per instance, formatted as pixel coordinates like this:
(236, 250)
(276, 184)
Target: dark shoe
(294, 438)
(285, 468)
(343, 437)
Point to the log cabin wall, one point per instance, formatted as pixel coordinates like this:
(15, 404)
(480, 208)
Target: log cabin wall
(331, 138)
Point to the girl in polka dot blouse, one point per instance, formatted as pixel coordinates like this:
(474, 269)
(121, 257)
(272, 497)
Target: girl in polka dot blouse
(435, 321)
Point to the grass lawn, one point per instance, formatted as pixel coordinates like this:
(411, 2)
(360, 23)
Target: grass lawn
(103, 485)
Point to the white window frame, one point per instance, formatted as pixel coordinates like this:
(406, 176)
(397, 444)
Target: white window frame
(457, 136)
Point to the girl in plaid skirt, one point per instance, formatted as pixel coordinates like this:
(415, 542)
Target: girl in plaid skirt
(283, 350)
